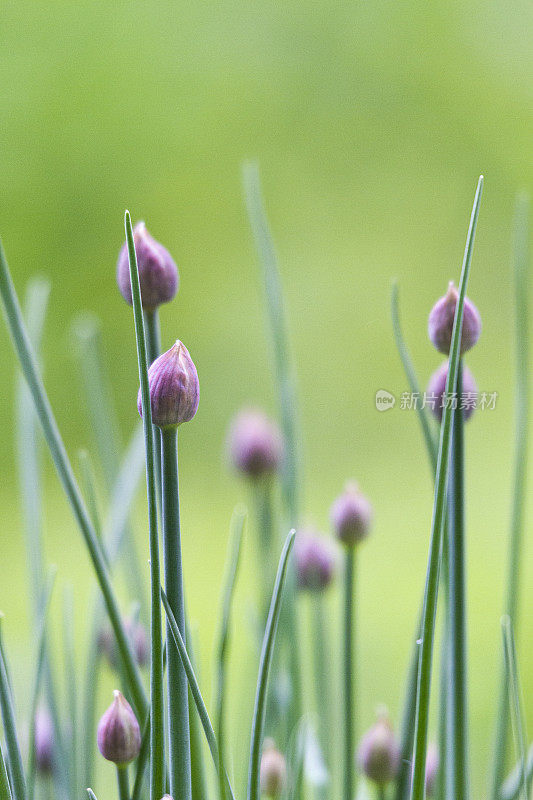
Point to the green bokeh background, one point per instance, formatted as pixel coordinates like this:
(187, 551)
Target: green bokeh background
(371, 122)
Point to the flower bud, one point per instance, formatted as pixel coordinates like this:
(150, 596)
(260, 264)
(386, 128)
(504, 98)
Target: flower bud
(379, 753)
(174, 388)
(437, 390)
(351, 514)
(315, 561)
(440, 323)
(136, 633)
(158, 274)
(255, 444)
(44, 741)
(432, 768)
(273, 770)
(118, 735)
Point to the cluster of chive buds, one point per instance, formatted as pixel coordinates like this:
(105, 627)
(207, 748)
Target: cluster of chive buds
(440, 328)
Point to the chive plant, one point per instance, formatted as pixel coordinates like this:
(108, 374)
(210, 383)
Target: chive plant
(156, 739)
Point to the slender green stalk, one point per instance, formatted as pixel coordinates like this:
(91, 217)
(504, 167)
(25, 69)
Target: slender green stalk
(521, 259)
(178, 698)
(437, 525)
(414, 385)
(16, 771)
(195, 689)
(153, 347)
(71, 690)
(142, 758)
(258, 720)
(91, 794)
(457, 783)
(237, 528)
(5, 789)
(515, 701)
(157, 740)
(199, 789)
(123, 783)
(267, 542)
(321, 676)
(348, 667)
(64, 469)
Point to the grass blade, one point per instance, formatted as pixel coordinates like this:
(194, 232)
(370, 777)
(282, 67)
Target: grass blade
(157, 742)
(53, 439)
(521, 258)
(16, 771)
(142, 758)
(515, 701)
(39, 661)
(237, 528)
(70, 685)
(195, 689)
(437, 526)
(258, 720)
(5, 789)
(430, 438)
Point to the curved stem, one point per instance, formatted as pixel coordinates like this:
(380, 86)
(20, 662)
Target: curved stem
(178, 695)
(348, 673)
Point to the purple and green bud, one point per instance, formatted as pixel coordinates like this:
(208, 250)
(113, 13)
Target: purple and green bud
(273, 770)
(432, 768)
(174, 388)
(315, 561)
(158, 274)
(44, 741)
(118, 735)
(441, 318)
(436, 390)
(351, 515)
(255, 444)
(379, 752)
(136, 633)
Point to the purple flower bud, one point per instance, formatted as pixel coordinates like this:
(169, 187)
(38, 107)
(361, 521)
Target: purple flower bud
(379, 753)
(351, 514)
(273, 770)
(436, 388)
(137, 635)
(44, 741)
(432, 768)
(118, 735)
(315, 561)
(255, 444)
(158, 274)
(174, 388)
(440, 323)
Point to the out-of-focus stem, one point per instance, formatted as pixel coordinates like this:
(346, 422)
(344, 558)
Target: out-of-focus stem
(348, 665)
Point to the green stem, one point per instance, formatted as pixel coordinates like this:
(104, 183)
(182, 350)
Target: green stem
(348, 666)
(5, 789)
(178, 696)
(321, 665)
(457, 783)
(153, 348)
(266, 542)
(123, 783)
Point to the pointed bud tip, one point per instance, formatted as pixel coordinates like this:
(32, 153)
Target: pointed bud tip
(174, 388)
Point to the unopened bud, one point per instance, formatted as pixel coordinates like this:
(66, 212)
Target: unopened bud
(315, 561)
(136, 633)
(432, 768)
(351, 515)
(273, 770)
(158, 274)
(44, 741)
(379, 754)
(440, 323)
(255, 444)
(118, 735)
(437, 390)
(174, 388)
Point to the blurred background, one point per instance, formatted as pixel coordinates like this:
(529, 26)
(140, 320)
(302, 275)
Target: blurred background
(371, 123)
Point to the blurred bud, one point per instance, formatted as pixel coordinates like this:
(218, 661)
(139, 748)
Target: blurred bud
(255, 444)
(44, 741)
(167, 797)
(315, 561)
(273, 770)
(432, 768)
(174, 388)
(158, 274)
(440, 323)
(437, 387)
(118, 735)
(351, 514)
(379, 753)
(136, 633)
